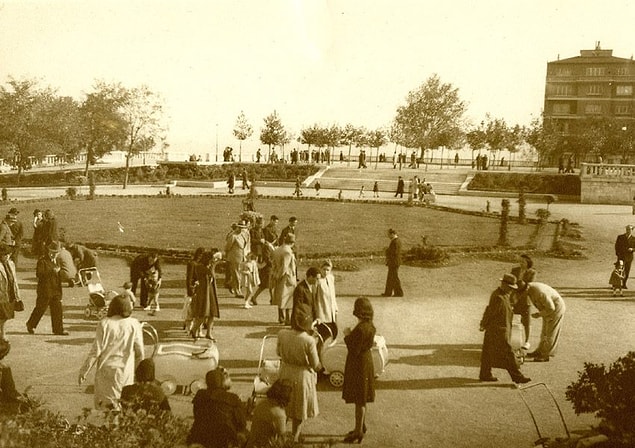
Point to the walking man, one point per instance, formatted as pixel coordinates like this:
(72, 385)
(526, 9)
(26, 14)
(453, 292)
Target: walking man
(393, 261)
(624, 245)
(49, 292)
(400, 187)
(497, 325)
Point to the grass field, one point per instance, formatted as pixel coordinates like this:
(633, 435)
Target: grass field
(324, 227)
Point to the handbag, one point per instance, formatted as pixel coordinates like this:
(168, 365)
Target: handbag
(18, 305)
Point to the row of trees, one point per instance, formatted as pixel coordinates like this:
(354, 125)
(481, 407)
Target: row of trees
(35, 121)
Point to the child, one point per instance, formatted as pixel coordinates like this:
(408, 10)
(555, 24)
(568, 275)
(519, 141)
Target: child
(153, 283)
(127, 292)
(361, 192)
(317, 187)
(250, 278)
(339, 195)
(617, 277)
(375, 190)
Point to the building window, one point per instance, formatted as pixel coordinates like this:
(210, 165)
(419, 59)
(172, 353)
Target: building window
(563, 71)
(622, 109)
(561, 108)
(563, 90)
(594, 89)
(596, 71)
(622, 71)
(593, 109)
(624, 90)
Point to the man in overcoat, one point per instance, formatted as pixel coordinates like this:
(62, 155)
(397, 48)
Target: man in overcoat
(306, 292)
(497, 323)
(138, 271)
(624, 245)
(393, 261)
(49, 292)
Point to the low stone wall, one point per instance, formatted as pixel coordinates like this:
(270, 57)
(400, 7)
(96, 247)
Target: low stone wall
(607, 184)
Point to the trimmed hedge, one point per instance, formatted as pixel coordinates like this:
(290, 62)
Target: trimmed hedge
(162, 173)
(537, 183)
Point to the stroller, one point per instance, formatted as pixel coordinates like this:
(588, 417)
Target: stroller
(182, 364)
(98, 297)
(268, 370)
(333, 353)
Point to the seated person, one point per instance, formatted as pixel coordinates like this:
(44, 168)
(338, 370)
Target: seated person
(145, 393)
(10, 399)
(270, 418)
(220, 419)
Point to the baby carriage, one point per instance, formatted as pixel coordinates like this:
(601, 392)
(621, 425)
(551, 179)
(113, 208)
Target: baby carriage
(181, 364)
(268, 370)
(98, 297)
(333, 353)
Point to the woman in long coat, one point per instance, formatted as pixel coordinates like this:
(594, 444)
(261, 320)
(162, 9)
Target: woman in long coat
(117, 350)
(283, 278)
(359, 372)
(205, 299)
(299, 365)
(9, 292)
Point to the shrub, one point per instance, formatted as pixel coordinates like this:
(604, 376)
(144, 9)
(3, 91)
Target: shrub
(610, 394)
(5, 195)
(503, 239)
(425, 252)
(45, 429)
(543, 214)
(71, 192)
(543, 183)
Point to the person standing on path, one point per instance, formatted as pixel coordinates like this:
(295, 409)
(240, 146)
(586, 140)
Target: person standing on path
(49, 292)
(393, 261)
(624, 245)
(375, 190)
(283, 279)
(400, 187)
(497, 325)
(138, 272)
(18, 233)
(551, 308)
(290, 229)
(9, 291)
(524, 273)
(270, 231)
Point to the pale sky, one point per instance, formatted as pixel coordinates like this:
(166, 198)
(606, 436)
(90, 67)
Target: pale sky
(314, 61)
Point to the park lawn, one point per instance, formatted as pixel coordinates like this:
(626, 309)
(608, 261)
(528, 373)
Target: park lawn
(324, 227)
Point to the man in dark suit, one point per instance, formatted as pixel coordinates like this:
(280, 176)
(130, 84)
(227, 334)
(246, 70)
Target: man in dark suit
(49, 292)
(393, 261)
(624, 245)
(18, 233)
(306, 292)
(291, 228)
(271, 230)
(400, 187)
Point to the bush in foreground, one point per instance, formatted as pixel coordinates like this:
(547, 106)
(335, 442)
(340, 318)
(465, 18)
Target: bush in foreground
(610, 394)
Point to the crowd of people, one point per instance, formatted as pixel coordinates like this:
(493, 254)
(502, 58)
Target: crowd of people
(258, 258)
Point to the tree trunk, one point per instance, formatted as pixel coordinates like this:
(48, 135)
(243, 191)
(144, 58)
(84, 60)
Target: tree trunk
(125, 176)
(240, 150)
(349, 155)
(87, 163)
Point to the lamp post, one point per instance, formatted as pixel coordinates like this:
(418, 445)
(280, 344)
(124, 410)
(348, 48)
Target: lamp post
(216, 142)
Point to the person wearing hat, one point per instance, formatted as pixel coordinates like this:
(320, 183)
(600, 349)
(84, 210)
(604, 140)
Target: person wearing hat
(497, 323)
(18, 233)
(299, 364)
(115, 353)
(359, 371)
(393, 261)
(139, 268)
(624, 245)
(235, 246)
(290, 229)
(49, 292)
(551, 309)
(220, 420)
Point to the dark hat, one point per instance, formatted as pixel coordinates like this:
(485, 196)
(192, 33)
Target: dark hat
(13, 211)
(53, 246)
(509, 280)
(274, 218)
(218, 379)
(293, 219)
(363, 309)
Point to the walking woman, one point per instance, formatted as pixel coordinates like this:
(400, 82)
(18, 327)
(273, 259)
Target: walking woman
(117, 350)
(359, 372)
(205, 299)
(9, 291)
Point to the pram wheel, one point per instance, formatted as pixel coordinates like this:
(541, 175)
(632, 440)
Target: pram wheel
(197, 385)
(168, 384)
(87, 312)
(336, 379)
(101, 313)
